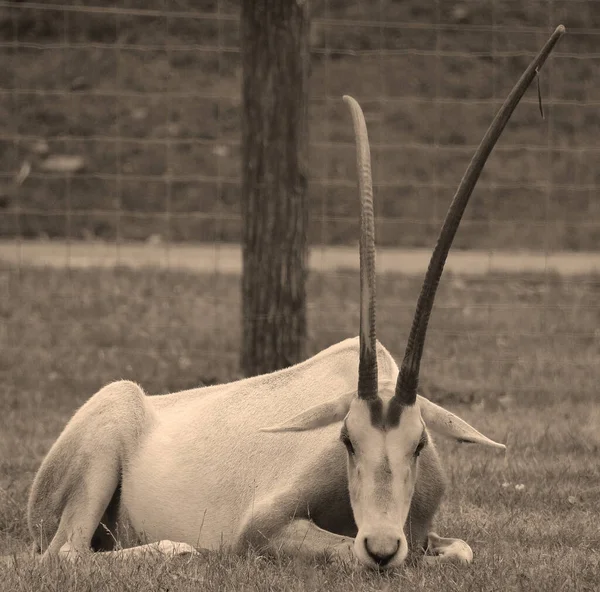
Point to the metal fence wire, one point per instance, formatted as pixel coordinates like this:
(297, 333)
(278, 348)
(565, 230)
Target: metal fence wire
(121, 120)
(120, 130)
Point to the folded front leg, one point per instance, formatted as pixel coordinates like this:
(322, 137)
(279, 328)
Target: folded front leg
(164, 548)
(302, 536)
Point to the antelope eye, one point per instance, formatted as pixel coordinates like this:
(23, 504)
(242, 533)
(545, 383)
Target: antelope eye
(420, 447)
(347, 443)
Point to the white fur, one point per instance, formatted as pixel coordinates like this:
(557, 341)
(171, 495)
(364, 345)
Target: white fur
(195, 467)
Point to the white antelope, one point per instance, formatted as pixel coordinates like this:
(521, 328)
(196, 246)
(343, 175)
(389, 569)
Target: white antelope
(349, 467)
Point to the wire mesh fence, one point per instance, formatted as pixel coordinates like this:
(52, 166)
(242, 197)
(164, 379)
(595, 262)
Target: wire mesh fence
(144, 100)
(121, 122)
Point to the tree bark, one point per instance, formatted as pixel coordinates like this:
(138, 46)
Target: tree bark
(275, 63)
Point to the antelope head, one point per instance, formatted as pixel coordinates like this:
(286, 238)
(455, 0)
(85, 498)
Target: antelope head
(385, 424)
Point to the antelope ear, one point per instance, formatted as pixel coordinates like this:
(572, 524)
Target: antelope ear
(315, 417)
(443, 422)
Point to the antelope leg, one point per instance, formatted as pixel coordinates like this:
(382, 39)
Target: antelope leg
(163, 548)
(305, 537)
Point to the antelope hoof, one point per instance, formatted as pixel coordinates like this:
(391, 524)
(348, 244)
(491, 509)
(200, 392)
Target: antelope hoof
(171, 548)
(447, 550)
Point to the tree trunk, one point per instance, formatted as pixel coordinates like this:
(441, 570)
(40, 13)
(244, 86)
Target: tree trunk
(275, 62)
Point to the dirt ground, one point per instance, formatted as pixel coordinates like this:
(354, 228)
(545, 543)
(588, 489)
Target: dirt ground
(227, 258)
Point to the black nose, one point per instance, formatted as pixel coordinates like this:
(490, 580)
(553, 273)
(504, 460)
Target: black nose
(382, 551)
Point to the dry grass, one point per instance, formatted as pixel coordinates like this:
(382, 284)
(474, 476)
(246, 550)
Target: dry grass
(516, 355)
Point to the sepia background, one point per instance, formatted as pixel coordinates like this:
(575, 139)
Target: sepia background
(120, 228)
(147, 96)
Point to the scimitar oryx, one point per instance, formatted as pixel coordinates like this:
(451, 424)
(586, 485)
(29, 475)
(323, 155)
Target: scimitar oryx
(332, 455)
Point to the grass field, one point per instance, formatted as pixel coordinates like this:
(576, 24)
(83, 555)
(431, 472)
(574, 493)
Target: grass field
(153, 107)
(515, 355)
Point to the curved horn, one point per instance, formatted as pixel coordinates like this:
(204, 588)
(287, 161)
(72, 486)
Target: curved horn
(408, 378)
(367, 365)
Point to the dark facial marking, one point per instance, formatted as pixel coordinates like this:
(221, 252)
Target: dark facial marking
(394, 412)
(376, 413)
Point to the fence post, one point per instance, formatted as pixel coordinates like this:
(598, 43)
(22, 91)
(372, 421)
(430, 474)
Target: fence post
(274, 38)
